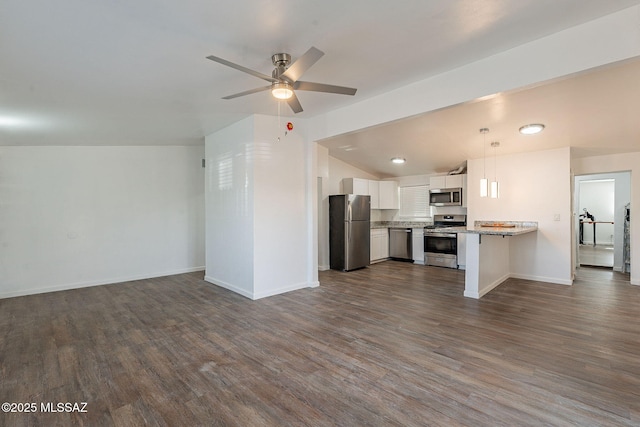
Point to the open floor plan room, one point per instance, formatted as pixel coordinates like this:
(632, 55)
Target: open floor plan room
(391, 344)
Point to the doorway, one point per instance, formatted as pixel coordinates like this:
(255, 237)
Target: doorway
(600, 204)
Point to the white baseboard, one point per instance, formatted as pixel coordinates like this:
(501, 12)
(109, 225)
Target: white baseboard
(482, 292)
(258, 295)
(229, 286)
(553, 280)
(323, 267)
(111, 281)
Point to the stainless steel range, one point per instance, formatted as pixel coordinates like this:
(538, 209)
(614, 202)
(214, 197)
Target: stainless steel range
(441, 240)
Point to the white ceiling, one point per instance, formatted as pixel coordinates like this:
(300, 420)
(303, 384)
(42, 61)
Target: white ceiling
(594, 113)
(116, 72)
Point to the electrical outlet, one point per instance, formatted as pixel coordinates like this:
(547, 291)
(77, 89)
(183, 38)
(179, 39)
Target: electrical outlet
(556, 217)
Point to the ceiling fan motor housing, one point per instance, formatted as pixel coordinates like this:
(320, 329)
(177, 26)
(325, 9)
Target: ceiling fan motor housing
(281, 61)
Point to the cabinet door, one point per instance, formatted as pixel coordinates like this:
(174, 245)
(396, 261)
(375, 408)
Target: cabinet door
(356, 186)
(417, 243)
(436, 182)
(373, 247)
(374, 192)
(453, 181)
(389, 195)
(462, 250)
(384, 244)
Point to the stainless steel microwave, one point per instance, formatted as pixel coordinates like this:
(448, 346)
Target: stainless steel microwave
(445, 197)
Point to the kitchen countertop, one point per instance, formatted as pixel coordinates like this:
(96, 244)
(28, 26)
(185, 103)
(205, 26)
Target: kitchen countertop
(503, 228)
(399, 224)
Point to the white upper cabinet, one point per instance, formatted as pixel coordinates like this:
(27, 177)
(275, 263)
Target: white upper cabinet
(389, 195)
(374, 192)
(356, 186)
(448, 181)
(384, 194)
(436, 182)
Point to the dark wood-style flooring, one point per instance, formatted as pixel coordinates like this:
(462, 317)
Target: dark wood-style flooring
(394, 344)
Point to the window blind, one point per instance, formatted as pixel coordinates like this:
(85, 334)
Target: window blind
(414, 201)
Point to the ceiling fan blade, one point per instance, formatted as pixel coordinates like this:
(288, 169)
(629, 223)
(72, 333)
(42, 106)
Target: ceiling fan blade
(247, 92)
(302, 64)
(321, 87)
(241, 68)
(294, 104)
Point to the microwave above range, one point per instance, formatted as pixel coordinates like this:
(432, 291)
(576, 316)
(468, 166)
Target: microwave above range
(445, 197)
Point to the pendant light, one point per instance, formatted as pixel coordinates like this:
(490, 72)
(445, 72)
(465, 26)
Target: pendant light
(484, 183)
(494, 184)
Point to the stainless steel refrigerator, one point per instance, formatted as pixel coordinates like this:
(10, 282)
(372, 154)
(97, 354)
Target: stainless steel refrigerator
(349, 231)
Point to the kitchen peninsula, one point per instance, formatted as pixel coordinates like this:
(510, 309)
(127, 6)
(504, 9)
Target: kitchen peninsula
(487, 252)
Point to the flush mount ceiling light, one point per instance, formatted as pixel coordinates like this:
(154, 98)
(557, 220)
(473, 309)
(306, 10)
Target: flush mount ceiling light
(398, 160)
(281, 90)
(531, 129)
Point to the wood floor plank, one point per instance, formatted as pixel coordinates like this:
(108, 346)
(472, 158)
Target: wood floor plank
(394, 344)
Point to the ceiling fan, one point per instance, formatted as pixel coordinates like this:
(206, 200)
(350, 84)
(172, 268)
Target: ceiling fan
(284, 78)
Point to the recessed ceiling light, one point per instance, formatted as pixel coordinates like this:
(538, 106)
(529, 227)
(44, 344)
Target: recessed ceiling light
(398, 160)
(531, 129)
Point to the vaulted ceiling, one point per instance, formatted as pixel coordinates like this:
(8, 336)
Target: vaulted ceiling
(135, 73)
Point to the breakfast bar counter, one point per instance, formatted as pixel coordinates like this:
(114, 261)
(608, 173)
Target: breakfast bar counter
(488, 254)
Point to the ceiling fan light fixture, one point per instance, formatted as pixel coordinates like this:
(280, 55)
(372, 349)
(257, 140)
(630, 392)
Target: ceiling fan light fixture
(281, 90)
(532, 129)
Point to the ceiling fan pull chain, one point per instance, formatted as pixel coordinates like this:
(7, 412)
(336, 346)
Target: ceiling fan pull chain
(278, 133)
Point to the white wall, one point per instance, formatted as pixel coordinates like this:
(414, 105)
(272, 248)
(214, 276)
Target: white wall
(533, 187)
(323, 207)
(619, 163)
(339, 170)
(282, 191)
(229, 207)
(80, 216)
(261, 208)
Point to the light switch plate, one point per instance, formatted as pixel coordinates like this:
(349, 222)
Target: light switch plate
(556, 217)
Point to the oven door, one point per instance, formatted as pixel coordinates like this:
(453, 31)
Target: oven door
(441, 249)
(441, 243)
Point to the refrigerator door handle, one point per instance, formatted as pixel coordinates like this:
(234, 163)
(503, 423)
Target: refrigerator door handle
(347, 241)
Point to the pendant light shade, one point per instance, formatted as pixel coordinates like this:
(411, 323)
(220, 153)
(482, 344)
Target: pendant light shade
(495, 189)
(484, 187)
(484, 183)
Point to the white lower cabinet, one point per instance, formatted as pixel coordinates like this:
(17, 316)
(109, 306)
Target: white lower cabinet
(417, 244)
(462, 251)
(379, 246)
